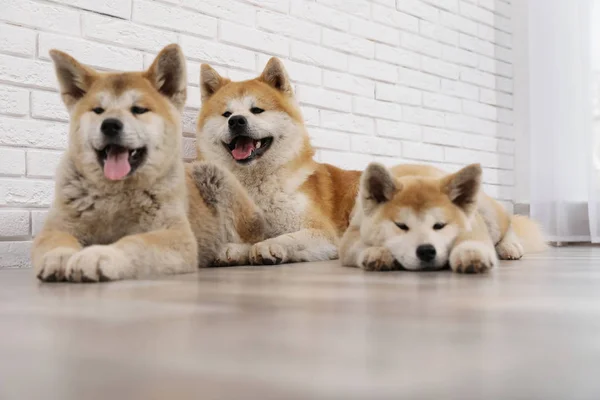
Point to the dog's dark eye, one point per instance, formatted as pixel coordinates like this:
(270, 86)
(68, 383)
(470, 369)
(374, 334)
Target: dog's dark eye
(227, 114)
(139, 110)
(404, 227)
(256, 110)
(439, 226)
(98, 110)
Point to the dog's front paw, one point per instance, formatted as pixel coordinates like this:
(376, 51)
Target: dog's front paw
(377, 259)
(510, 248)
(53, 264)
(97, 264)
(267, 253)
(472, 257)
(233, 254)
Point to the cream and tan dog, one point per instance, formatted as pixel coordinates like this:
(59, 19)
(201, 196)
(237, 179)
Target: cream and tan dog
(419, 218)
(123, 194)
(255, 129)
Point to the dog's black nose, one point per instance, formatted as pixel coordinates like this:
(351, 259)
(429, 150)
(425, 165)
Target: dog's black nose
(426, 252)
(237, 123)
(111, 127)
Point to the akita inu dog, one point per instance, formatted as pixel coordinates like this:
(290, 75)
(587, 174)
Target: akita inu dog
(255, 129)
(419, 218)
(122, 192)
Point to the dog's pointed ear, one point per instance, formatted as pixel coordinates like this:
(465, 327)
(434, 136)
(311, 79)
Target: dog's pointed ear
(74, 78)
(463, 187)
(276, 76)
(168, 74)
(210, 81)
(377, 186)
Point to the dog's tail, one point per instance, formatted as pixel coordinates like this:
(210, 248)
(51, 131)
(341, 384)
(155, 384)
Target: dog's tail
(530, 234)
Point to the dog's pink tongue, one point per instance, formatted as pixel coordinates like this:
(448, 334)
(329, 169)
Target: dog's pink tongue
(116, 166)
(243, 148)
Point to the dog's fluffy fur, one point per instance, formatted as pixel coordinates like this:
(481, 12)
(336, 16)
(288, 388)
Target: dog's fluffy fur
(417, 217)
(306, 204)
(106, 228)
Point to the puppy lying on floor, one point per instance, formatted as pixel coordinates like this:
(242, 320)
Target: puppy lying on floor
(419, 218)
(123, 194)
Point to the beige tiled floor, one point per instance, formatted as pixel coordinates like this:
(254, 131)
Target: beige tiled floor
(528, 330)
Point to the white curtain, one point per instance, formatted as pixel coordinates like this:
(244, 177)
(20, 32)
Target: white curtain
(565, 154)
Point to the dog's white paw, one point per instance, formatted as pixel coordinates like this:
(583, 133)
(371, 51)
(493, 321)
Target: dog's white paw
(472, 257)
(97, 264)
(53, 264)
(510, 248)
(377, 259)
(267, 253)
(233, 254)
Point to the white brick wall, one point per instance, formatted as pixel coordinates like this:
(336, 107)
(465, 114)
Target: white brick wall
(386, 80)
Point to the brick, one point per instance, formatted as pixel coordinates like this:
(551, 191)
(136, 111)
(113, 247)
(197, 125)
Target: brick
(398, 56)
(346, 160)
(503, 54)
(300, 73)
(348, 83)
(320, 14)
(460, 89)
(42, 163)
(28, 133)
(94, 54)
(420, 44)
(479, 142)
(239, 75)
(442, 136)
(15, 254)
(117, 8)
(422, 151)
(505, 116)
(499, 191)
(398, 130)
(388, 161)
(311, 116)
(254, 39)
(38, 218)
(213, 52)
(506, 146)
(27, 72)
(422, 116)
(459, 56)
(188, 121)
(276, 5)
(441, 68)
(504, 84)
(458, 23)
(360, 8)
(417, 79)
(348, 43)
(374, 31)
(44, 16)
(373, 69)
(496, 67)
(14, 101)
(498, 176)
(228, 10)
(376, 145)
(479, 78)
(13, 162)
(441, 102)
(317, 55)
(324, 98)
(476, 45)
(398, 94)
(480, 110)
(347, 122)
(471, 124)
(16, 40)
(450, 5)
(327, 139)
(495, 98)
(14, 223)
(476, 13)
(438, 32)
(491, 160)
(289, 26)
(48, 105)
(378, 109)
(188, 148)
(26, 192)
(418, 9)
(174, 18)
(395, 18)
(193, 97)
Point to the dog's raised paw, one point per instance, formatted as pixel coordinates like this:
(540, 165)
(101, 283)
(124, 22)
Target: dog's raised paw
(267, 253)
(53, 264)
(377, 259)
(233, 254)
(472, 257)
(97, 264)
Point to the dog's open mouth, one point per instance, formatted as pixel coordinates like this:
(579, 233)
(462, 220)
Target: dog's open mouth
(118, 162)
(244, 149)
